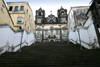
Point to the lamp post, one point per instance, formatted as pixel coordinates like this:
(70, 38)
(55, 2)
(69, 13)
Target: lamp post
(68, 34)
(79, 38)
(21, 39)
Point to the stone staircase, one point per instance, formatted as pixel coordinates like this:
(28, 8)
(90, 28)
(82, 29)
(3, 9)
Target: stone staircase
(51, 55)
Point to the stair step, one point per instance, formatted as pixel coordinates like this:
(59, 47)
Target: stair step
(51, 54)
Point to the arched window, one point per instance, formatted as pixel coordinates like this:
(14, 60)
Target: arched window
(78, 12)
(62, 13)
(39, 13)
(84, 11)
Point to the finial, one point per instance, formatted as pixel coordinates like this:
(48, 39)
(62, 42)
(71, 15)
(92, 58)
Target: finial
(40, 8)
(51, 12)
(61, 7)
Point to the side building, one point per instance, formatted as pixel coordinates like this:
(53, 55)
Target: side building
(77, 16)
(22, 16)
(51, 28)
(5, 18)
(94, 19)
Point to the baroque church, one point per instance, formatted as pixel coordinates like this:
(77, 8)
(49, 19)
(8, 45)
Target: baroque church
(51, 28)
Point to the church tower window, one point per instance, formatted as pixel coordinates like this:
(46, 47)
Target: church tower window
(39, 13)
(38, 20)
(62, 13)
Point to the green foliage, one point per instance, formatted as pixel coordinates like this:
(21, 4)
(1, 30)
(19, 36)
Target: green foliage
(77, 25)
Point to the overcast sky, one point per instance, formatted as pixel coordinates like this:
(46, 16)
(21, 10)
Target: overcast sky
(53, 5)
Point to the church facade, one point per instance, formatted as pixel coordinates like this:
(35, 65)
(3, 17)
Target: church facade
(51, 28)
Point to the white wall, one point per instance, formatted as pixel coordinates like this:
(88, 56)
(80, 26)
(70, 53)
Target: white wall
(71, 22)
(74, 37)
(14, 38)
(86, 35)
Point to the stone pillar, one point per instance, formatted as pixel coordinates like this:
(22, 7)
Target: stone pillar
(42, 33)
(60, 33)
(35, 31)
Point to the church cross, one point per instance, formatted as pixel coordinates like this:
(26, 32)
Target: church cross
(51, 12)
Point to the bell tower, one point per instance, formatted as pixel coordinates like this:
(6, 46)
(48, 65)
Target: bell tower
(40, 16)
(62, 15)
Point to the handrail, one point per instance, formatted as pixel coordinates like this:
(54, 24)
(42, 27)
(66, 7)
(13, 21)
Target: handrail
(13, 47)
(73, 40)
(18, 45)
(85, 42)
(88, 43)
(22, 43)
(1, 48)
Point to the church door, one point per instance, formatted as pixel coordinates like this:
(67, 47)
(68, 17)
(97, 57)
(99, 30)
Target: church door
(51, 41)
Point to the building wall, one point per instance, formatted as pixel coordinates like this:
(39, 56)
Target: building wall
(5, 17)
(71, 20)
(13, 38)
(87, 35)
(23, 14)
(74, 17)
(47, 28)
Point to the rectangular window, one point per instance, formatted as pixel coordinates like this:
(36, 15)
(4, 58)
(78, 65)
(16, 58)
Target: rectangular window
(38, 33)
(28, 29)
(79, 22)
(64, 32)
(19, 20)
(46, 33)
(99, 30)
(22, 8)
(27, 11)
(16, 8)
(63, 20)
(33, 25)
(29, 17)
(38, 20)
(10, 8)
(2, 8)
(57, 32)
(31, 21)
(51, 33)
(25, 23)
(98, 4)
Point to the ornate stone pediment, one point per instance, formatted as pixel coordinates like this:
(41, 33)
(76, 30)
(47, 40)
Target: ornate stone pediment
(64, 27)
(38, 28)
(51, 27)
(51, 19)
